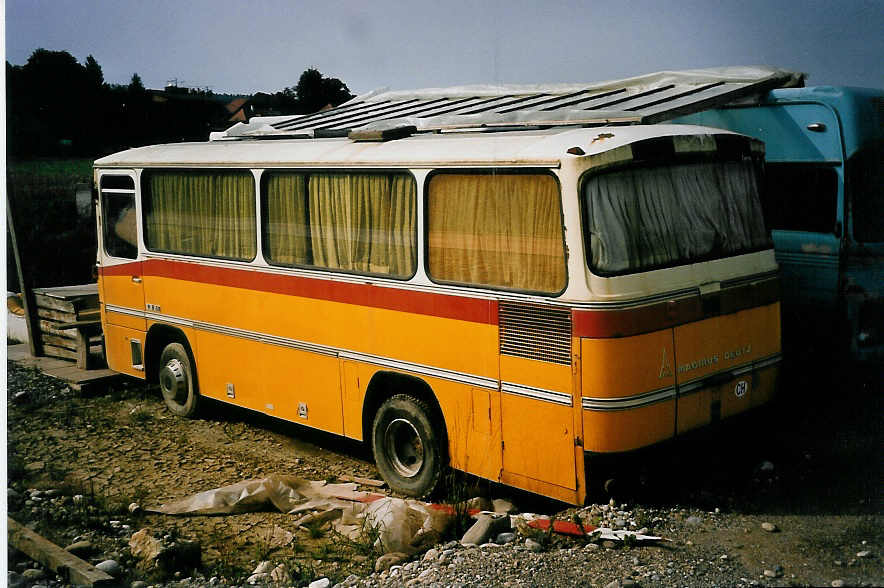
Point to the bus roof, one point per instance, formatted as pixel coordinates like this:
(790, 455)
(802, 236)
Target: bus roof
(545, 148)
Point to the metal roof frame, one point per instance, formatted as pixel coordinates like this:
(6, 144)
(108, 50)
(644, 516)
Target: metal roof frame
(649, 99)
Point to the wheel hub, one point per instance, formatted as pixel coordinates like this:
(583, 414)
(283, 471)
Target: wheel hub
(404, 446)
(173, 381)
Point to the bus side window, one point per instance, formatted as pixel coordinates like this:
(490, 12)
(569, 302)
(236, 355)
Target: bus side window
(800, 197)
(119, 221)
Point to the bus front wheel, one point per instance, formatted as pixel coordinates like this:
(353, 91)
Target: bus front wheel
(177, 380)
(406, 446)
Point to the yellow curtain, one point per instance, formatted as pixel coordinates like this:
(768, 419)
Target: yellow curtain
(363, 222)
(286, 231)
(501, 230)
(202, 213)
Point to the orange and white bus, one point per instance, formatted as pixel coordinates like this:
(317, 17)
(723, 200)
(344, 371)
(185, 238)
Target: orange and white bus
(502, 303)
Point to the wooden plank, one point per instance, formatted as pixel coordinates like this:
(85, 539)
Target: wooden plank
(27, 295)
(66, 564)
(56, 315)
(53, 351)
(54, 303)
(60, 341)
(51, 327)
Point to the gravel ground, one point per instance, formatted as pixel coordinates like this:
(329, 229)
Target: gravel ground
(810, 472)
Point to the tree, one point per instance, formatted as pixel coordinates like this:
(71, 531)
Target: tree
(315, 91)
(135, 86)
(93, 72)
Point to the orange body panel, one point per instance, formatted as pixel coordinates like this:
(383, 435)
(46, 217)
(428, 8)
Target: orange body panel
(625, 430)
(615, 368)
(123, 291)
(117, 347)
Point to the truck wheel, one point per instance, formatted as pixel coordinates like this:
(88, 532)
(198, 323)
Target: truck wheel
(177, 381)
(406, 446)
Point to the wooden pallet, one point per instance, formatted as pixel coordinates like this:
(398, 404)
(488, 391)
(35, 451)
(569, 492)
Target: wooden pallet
(69, 320)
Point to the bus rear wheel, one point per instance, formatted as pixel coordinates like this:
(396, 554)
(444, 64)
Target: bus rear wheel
(177, 382)
(406, 446)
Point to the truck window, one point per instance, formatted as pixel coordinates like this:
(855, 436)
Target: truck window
(800, 197)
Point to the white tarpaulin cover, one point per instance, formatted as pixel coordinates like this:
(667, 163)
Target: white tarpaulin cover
(403, 525)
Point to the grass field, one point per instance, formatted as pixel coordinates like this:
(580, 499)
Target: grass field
(57, 244)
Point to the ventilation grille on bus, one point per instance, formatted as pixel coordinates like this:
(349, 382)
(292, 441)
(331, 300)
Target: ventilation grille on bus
(535, 332)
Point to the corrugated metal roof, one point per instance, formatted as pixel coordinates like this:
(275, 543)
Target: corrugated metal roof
(645, 99)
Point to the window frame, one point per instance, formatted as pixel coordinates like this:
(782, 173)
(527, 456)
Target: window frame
(494, 171)
(262, 195)
(651, 162)
(133, 192)
(145, 193)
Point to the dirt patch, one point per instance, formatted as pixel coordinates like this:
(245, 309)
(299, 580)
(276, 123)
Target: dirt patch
(810, 466)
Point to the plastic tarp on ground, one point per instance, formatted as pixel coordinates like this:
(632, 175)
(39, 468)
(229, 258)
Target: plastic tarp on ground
(403, 525)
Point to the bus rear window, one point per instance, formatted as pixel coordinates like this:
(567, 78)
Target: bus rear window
(652, 217)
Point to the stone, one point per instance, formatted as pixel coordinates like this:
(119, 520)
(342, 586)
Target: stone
(766, 466)
(110, 567)
(263, 568)
(34, 466)
(837, 583)
(134, 508)
(257, 578)
(769, 527)
(504, 538)
(14, 580)
(608, 544)
(479, 503)
(431, 554)
(533, 545)
(504, 506)
(386, 561)
(487, 525)
(138, 584)
(693, 521)
(33, 574)
(320, 583)
(864, 553)
(80, 548)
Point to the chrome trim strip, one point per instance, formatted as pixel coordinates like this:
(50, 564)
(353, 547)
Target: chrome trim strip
(454, 376)
(124, 310)
(637, 401)
(536, 393)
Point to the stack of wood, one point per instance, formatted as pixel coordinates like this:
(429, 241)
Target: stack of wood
(70, 321)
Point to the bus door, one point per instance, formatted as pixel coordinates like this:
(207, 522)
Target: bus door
(120, 274)
(537, 408)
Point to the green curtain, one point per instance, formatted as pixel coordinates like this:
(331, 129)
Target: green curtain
(500, 230)
(202, 213)
(286, 232)
(363, 222)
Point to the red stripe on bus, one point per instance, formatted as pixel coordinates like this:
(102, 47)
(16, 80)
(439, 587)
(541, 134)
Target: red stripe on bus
(441, 305)
(635, 321)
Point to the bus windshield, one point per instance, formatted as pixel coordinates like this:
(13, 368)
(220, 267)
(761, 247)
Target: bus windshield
(665, 215)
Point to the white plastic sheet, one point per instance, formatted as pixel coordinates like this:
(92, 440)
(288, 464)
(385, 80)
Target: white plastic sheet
(402, 525)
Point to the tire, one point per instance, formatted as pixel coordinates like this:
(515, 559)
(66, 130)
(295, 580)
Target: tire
(406, 445)
(178, 381)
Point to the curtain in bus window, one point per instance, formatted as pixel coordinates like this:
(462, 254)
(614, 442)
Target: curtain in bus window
(202, 213)
(652, 217)
(363, 222)
(286, 235)
(502, 230)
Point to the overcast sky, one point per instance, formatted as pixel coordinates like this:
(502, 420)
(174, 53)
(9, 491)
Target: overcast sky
(252, 45)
